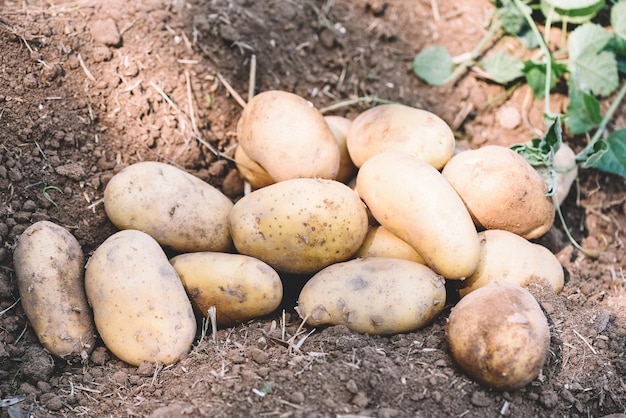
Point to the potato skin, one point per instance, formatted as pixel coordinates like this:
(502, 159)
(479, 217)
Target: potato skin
(379, 242)
(287, 136)
(414, 201)
(373, 295)
(501, 190)
(251, 171)
(175, 208)
(140, 306)
(507, 256)
(299, 225)
(339, 126)
(240, 287)
(499, 335)
(397, 127)
(48, 264)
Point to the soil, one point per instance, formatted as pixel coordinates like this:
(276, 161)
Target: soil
(88, 87)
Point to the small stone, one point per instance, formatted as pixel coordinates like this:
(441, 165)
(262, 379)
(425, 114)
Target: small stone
(105, 32)
(509, 117)
(145, 369)
(351, 386)
(360, 400)
(258, 356)
(297, 397)
(480, 399)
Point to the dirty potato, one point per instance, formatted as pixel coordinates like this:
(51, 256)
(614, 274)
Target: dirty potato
(501, 190)
(499, 335)
(175, 208)
(49, 267)
(509, 257)
(287, 136)
(299, 225)
(373, 295)
(140, 306)
(240, 287)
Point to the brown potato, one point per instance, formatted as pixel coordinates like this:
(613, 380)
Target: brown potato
(414, 201)
(397, 127)
(499, 336)
(174, 207)
(240, 287)
(339, 126)
(373, 295)
(49, 267)
(287, 136)
(299, 225)
(501, 190)
(379, 242)
(251, 171)
(509, 257)
(140, 306)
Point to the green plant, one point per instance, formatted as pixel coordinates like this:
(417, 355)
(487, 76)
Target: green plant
(590, 62)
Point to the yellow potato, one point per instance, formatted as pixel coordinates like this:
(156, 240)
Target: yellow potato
(287, 136)
(507, 256)
(339, 126)
(48, 264)
(175, 208)
(499, 335)
(251, 171)
(565, 162)
(501, 190)
(379, 242)
(240, 287)
(414, 201)
(299, 225)
(397, 127)
(140, 306)
(373, 295)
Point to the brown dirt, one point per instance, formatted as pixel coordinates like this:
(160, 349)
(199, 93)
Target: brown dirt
(88, 87)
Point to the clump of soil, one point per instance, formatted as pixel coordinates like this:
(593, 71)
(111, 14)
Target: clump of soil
(87, 88)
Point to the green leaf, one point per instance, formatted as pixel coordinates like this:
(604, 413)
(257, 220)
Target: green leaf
(583, 112)
(514, 23)
(540, 154)
(433, 65)
(618, 19)
(614, 158)
(572, 11)
(535, 73)
(593, 69)
(590, 157)
(503, 67)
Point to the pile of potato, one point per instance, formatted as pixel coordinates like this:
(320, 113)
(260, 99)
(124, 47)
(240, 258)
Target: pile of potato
(379, 214)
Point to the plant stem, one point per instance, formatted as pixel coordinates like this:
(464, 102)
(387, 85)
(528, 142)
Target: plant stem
(608, 116)
(544, 48)
(493, 29)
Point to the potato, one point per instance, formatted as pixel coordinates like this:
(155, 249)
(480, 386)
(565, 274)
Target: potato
(251, 171)
(565, 163)
(240, 287)
(339, 126)
(175, 208)
(499, 336)
(48, 264)
(140, 306)
(299, 225)
(373, 295)
(397, 127)
(501, 190)
(507, 256)
(379, 242)
(414, 201)
(287, 136)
